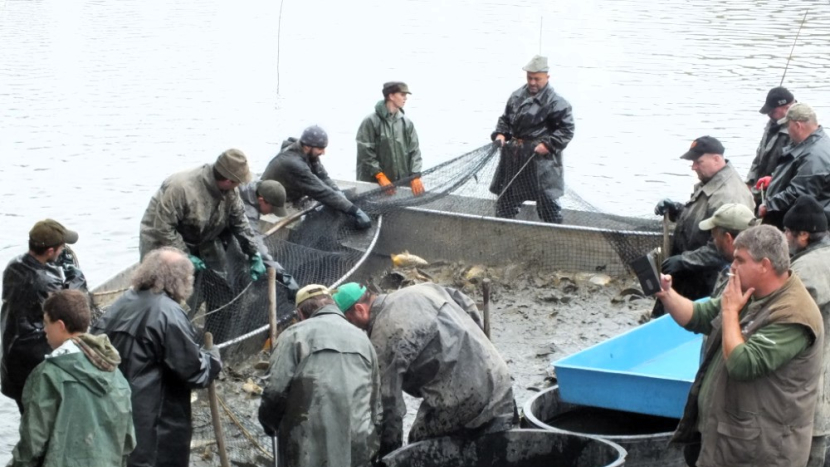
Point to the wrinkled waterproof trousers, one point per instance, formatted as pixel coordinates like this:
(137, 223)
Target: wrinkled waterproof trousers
(535, 179)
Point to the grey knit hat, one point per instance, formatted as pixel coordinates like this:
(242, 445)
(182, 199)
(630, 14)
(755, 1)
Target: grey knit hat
(315, 137)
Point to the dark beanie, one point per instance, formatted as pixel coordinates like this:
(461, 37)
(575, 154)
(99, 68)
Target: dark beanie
(806, 215)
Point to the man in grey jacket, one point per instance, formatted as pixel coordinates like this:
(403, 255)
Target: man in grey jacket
(299, 169)
(429, 345)
(804, 167)
(322, 398)
(805, 226)
(694, 261)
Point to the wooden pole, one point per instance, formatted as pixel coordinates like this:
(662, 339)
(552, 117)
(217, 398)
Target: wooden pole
(272, 305)
(214, 413)
(485, 290)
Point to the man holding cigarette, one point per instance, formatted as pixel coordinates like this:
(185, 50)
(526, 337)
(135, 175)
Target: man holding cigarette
(753, 399)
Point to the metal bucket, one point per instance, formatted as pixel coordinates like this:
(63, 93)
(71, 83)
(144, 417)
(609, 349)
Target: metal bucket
(644, 437)
(514, 448)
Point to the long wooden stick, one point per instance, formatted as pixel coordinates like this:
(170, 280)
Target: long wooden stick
(214, 413)
(272, 305)
(666, 238)
(485, 289)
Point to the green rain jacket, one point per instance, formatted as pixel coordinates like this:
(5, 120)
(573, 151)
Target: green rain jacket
(76, 414)
(387, 143)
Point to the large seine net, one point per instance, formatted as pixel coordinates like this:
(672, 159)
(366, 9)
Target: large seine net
(322, 246)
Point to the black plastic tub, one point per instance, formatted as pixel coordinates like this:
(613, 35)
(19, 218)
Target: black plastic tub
(644, 437)
(514, 448)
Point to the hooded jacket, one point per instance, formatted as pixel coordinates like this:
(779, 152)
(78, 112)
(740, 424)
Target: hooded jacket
(78, 410)
(27, 283)
(387, 143)
(323, 395)
(302, 176)
(163, 363)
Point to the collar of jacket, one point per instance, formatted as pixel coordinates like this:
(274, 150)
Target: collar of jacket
(377, 308)
(210, 182)
(797, 150)
(328, 310)
(384, 113)
(714, 183)
(823, 243)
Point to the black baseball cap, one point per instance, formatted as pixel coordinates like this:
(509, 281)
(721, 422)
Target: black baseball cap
(701, 146)
(776, 97)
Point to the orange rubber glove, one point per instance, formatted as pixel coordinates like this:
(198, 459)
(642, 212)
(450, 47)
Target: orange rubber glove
(763, 183)
(417, 186)
(384, 182)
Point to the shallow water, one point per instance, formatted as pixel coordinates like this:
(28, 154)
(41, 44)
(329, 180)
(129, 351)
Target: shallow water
(100, 100)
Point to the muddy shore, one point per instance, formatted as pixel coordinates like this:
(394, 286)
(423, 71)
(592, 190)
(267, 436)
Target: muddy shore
(537, 317)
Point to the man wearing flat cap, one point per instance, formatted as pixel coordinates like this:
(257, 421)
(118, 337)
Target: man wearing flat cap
(694, 261)
(299, 169)
(387, 143)
(322, 398)
(536, 126)
(805, 226)
(776, 137)
(267, 197)
(28, 280)
(190, 211)
(803, 169)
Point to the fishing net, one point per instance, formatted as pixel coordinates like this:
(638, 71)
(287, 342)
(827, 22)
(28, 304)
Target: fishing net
(454, 220)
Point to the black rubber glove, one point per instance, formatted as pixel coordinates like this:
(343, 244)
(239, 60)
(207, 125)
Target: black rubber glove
(672, 265)
(670, 207)
(288, 281)
(361, 220)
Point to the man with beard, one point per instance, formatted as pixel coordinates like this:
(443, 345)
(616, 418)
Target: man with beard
(805, 226)
(776, 137)
(159, 356)
(298, 168)
(191, 211)
(804, 167)
(694, 262)
(27, 282)
(535, 128)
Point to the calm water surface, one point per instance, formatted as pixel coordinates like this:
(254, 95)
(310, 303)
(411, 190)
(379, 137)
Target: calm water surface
(101, 100)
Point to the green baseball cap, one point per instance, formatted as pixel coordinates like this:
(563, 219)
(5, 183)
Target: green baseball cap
(347, 295)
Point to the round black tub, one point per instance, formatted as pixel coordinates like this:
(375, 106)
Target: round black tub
(644, 437)
(514, 448)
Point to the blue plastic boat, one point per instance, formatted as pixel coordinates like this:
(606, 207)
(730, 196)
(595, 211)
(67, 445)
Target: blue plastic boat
(648, 370)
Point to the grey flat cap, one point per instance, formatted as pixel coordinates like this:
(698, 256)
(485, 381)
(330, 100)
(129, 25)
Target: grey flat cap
(537, 64)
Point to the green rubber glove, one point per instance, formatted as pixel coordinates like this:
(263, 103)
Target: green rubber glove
(198, 264)
(257, 267)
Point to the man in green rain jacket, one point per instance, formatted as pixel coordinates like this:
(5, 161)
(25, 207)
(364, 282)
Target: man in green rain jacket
(387, 143)
(78, 410)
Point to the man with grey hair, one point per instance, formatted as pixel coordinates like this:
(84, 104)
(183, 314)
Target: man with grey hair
(803, 169)
(753, 399)
(159, 356)
(323, 394)
(805, 226)
(534, 130)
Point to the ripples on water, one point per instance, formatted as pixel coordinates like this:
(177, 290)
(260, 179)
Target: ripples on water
(101, 100)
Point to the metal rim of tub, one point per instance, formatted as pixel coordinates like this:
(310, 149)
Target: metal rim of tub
(527, 408)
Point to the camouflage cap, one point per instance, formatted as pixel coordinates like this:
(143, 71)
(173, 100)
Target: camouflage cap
(273, 193)
(801, 112)
(538, 64)
(233, 165)
(730, 216)
(50, 233)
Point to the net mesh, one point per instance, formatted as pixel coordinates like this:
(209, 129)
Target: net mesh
(323, 246)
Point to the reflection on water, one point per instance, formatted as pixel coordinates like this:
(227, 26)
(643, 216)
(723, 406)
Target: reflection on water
(101, 99)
